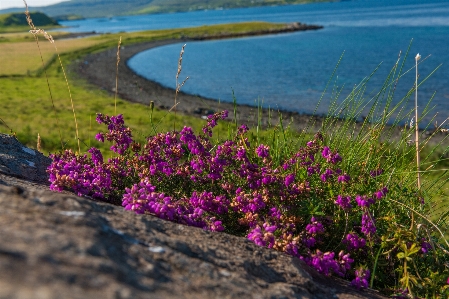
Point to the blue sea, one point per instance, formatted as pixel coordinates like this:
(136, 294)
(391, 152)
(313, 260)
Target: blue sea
(291, 71)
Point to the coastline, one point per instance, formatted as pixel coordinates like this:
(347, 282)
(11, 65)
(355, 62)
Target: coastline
(99, 69)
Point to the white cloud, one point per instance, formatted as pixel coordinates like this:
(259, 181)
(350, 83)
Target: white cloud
(34, 3)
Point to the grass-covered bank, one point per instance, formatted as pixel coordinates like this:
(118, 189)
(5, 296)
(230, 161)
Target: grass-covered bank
(344, 199)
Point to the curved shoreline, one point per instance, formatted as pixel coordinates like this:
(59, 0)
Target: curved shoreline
(100, 69)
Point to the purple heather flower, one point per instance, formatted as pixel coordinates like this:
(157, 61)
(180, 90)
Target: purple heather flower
(263, 236)
(314, 227)
(118, 133)
(343, 178)
(289, 179)
(242, 129)
(97, 157)
(216, 226)
(275, 213)
(425, 246)
(212, 122)
(309, 242)
(368, 226)
(376, 172)
(263, 151)
(333, 158)
(364, 201)
(241, 153)
(326, 175)
(381, 193)
(354, 242)
(344, 202)
(100, 137)
(361, 279)
(326, 152)
(345, 261)
(324, 263)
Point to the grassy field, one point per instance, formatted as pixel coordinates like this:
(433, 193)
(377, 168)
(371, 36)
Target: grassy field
(21, 58)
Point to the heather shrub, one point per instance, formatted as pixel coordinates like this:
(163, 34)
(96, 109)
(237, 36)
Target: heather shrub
(343, 218)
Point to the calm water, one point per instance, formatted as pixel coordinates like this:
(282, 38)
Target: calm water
(290, 71)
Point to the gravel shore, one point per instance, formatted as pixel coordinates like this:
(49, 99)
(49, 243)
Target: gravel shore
(100, 69)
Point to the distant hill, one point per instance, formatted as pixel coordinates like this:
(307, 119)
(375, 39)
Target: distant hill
(17, 21)
(108, 8)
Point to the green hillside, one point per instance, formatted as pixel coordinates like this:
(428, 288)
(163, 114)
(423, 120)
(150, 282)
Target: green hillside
(17, 21)
(108, 8)
(189, 5)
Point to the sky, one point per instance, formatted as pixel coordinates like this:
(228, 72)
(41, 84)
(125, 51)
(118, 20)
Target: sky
(19, 3)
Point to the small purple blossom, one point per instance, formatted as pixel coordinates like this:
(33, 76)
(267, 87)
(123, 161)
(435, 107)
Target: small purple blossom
(343, 178)
(242, 129)
(263, 236)
(425, 246)
(354, 242)
(364, 201)
(212, 121)
(361, 279)
(376, 172)
(326, 264)
(289, 179)
(314, 227)
(262, 151)
(368, 225)
(344, 202)
(332, 157)
(97, 157)
(326, 175)
(118, 133)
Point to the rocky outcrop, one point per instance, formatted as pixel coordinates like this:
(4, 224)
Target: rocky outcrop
(58, 245)
(22, 162)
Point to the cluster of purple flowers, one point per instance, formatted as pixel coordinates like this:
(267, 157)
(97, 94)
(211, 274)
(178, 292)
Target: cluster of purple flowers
(183, 177)
(118, 133)
(194, 211)
(83, 175)
(327, 264)
(361, 279)
(354, 242)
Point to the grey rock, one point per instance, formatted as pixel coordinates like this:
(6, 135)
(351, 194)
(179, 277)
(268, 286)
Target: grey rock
(20, 161)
